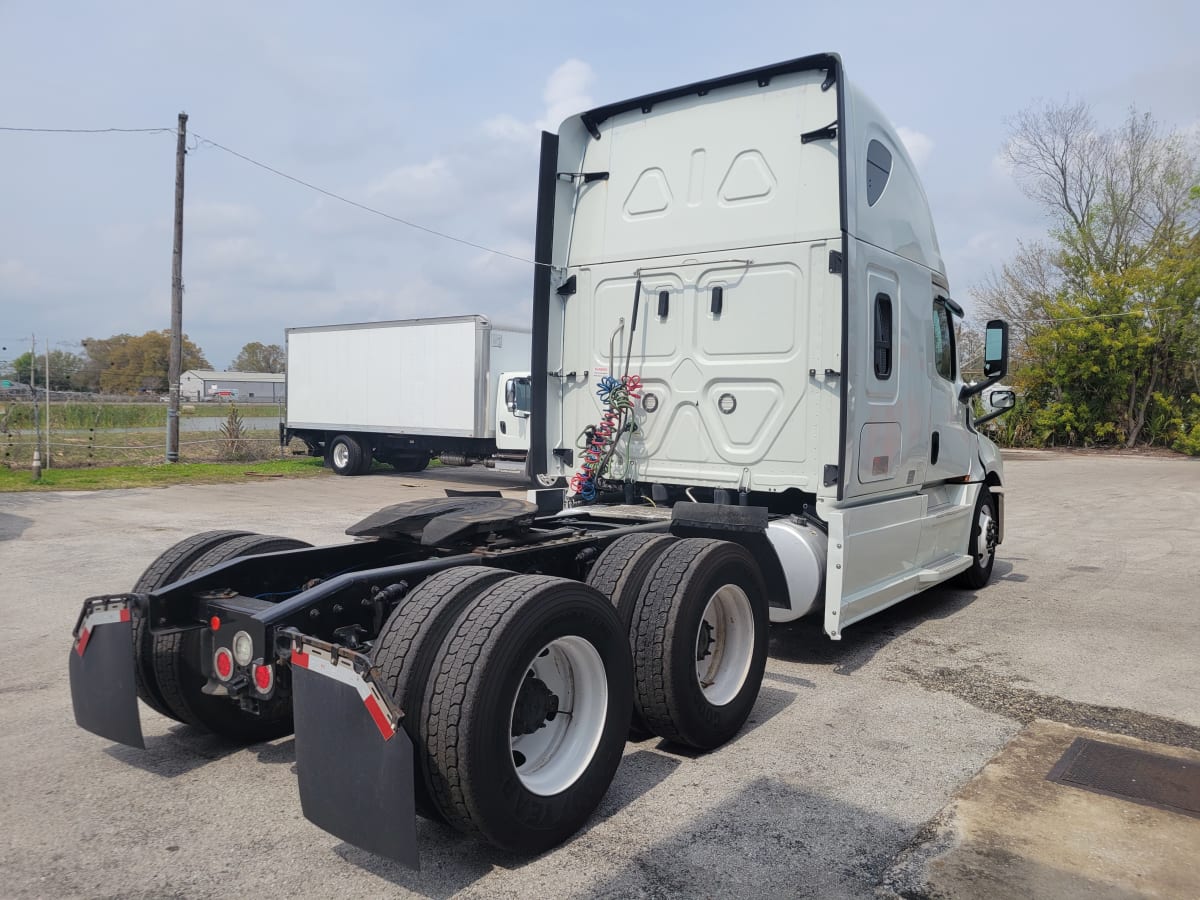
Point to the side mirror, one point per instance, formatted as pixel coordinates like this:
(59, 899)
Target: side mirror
(995, 359)
(995, 350)
(1002, 399)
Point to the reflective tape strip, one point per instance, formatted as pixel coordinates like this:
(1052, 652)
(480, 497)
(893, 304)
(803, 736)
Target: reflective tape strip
(343, 671)
(100, 617)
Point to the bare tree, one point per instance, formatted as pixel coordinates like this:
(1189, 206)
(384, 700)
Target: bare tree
(1118, 198)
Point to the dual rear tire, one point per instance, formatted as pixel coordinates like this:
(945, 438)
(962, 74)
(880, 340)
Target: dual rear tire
(695, 612)
(517, 693)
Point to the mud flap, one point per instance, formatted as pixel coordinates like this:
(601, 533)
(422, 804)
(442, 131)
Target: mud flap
(103, 690)
(354, 761)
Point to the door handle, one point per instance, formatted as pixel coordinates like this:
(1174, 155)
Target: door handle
(935, 443)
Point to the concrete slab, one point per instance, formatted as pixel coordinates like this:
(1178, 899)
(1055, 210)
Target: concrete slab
(1012, 833)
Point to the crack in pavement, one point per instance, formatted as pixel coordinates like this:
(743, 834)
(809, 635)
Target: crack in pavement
(995, 693)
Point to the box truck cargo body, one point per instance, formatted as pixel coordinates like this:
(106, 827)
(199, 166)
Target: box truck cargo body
(404, 391)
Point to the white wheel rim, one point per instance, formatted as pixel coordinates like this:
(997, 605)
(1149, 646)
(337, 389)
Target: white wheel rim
(724, 645)
(547, 480)
(553, 757)
(341, 455)
(983, 543)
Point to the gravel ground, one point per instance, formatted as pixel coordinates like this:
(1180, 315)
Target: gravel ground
(1091, 619)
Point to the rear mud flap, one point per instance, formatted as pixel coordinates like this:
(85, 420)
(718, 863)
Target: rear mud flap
(103, 690)
(354, 761)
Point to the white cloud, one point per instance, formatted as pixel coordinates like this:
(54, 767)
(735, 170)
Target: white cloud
(918, 144)
(566, 93)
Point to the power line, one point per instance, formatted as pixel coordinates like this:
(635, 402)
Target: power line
(364, 207)
(88, 130)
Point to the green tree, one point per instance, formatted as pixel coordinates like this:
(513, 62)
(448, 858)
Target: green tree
(141, 363)
(1105, 312)
(257, 357)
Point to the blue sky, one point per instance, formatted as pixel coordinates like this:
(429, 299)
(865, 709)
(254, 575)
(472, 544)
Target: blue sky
(431, 112)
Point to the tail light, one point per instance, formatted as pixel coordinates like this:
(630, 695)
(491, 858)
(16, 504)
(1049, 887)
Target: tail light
(264, 678)
(223, 663)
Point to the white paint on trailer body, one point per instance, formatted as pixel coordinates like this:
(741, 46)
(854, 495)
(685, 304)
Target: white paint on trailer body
(419, 376)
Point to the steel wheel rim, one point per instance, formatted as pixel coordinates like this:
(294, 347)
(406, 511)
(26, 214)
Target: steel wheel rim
(547, 480)
(987, 536)
(552, 758)
(341, 455)
(724, 647)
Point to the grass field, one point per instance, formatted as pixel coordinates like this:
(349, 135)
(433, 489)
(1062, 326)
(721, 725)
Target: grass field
(16, 416)
(104, 448)
(158, 475)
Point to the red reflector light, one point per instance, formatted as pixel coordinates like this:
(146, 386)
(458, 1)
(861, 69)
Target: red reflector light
(214, 623)
(223, 663)
(264, 677)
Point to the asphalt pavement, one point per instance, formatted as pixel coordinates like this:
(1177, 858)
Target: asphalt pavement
(1091, 620)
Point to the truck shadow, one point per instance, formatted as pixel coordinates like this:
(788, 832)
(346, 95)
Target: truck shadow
(805, 641)
(451, 862)
(181, 750)
(770, 703)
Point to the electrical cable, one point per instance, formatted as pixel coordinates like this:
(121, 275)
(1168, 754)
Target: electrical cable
(90, 130)
(364, 207)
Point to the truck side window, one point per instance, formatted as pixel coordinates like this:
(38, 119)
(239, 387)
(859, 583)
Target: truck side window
(523, 395)
(883, 337)
(943, 340)
(879, 167)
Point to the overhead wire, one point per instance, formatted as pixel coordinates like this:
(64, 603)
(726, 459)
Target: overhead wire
(364, 207)
(333, 195)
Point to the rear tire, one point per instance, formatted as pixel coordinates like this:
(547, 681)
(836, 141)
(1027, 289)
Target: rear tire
(169, 567)
(525, 645)
(344, 455)
(409, 644)
(619, 574)
(409, 462)
(700, 642)
(180, 673)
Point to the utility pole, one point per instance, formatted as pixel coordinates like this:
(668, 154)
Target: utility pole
(46, 342)
(37, 422)
(176, 357)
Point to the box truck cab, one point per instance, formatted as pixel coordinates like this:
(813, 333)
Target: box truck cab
(743, 362)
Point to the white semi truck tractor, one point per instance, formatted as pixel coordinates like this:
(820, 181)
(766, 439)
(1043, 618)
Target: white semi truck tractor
(743, 365)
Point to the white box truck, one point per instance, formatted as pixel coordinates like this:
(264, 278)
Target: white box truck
(406, 391)
(743, 360)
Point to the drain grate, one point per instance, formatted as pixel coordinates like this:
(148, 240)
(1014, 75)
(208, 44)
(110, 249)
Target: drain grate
(1150, 779)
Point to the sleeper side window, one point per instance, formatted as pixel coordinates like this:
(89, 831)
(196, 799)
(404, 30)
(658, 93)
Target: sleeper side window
(879, 168)
(883, 336)
(943, 340)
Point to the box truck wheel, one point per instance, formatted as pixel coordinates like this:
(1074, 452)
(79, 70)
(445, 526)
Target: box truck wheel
(180, 673)
(982, 546)
(409, 643)
(619, 573)
(170, 566)
(345, 455)
(527, 710)
(549, 481)
(700, 642)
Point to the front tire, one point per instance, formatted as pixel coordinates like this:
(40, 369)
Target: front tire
(700, 642)
(527, 710)
(346, 456)
(982, 545)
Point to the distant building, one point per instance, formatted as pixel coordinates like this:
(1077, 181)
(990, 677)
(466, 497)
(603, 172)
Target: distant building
(245, 387)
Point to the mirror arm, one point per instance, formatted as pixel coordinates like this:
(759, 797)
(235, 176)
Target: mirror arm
(968, 391)
(992, 415)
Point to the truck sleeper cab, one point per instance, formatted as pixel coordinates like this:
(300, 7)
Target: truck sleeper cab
(743, 365)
